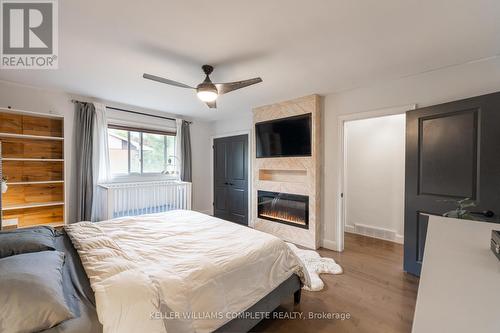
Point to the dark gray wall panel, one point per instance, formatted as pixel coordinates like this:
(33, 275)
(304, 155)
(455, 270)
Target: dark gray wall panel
(448, 154)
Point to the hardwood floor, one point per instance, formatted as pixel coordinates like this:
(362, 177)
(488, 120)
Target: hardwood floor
(373, 289)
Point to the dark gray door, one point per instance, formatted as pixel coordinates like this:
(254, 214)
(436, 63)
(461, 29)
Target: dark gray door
(231, 178)
(452, 152)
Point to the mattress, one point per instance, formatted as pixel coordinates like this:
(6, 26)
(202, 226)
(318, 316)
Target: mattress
(179, 262)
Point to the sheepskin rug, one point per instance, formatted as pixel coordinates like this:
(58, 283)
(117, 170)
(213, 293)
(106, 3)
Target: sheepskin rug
(316, 265)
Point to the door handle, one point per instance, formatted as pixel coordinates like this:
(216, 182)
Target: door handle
(230, 184)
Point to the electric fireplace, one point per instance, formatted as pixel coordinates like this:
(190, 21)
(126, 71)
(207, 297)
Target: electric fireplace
(291, 209)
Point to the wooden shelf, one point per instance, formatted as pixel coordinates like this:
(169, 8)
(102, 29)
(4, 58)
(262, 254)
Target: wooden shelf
(32, 205)
(37, 182)
(287, 176)
(280, 182)
(53, 225)
(33, 171)
(13, 148)
(28, 217)
(33, 159)
(31, 137)
(33, 194)
(33, 163)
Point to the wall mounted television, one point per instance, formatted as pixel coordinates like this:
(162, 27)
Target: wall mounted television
(285, 137)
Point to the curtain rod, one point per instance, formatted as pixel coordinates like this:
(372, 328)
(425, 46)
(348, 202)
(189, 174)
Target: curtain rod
(135, 112)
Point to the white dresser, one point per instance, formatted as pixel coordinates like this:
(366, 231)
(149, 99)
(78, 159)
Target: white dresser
(460, 282)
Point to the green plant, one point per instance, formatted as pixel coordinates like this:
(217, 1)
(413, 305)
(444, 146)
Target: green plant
(461, 212)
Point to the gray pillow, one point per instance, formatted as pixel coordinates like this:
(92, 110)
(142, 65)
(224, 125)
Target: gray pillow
(26, 241)
(31, 292)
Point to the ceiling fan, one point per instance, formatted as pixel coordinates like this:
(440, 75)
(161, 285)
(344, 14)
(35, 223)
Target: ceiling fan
(207, 91)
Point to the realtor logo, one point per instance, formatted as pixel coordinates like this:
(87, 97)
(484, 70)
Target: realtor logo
(29, 34)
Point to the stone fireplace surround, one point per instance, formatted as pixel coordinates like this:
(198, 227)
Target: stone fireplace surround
(292, 175)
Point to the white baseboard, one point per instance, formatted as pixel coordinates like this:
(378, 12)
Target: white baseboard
(329, 244)
(375, 232)
(349, 228)
(400, 239)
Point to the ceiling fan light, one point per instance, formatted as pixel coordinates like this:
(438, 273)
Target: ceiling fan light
(207, 95)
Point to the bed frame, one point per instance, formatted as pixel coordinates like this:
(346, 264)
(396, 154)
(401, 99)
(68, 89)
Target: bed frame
(77, 284)
(267, 304)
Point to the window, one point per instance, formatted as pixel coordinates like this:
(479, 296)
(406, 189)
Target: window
(140, 152)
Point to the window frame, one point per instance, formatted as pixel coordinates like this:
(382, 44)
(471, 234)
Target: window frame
(141, 176)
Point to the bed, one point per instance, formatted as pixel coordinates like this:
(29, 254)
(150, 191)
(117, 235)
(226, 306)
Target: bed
(119, 271)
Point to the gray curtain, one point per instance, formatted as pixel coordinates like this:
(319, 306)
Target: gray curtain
(186, 152)
(0, 189)
(84, 126)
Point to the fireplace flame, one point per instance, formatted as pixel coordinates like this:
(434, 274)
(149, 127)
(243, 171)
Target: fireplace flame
(284, 216)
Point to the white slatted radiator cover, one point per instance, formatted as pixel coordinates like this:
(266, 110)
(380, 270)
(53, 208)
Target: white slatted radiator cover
(130, 199)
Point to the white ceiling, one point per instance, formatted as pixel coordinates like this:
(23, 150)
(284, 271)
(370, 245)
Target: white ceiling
(297, 47)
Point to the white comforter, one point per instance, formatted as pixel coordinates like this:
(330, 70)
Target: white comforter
(179, 271)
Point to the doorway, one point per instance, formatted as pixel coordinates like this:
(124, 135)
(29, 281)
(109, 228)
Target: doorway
(371, 174)
(231, 178)
(374, 176)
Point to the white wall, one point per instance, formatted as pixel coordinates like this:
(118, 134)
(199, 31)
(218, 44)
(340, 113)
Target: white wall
(375, 173)
(44, 101)
(201, 149)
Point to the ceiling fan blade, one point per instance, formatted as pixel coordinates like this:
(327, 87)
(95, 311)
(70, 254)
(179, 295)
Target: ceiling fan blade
(166, 81)
(224, 88)
(212, 105)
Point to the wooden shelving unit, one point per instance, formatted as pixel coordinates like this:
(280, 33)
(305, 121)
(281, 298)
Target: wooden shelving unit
(34, 159)
(33, 162)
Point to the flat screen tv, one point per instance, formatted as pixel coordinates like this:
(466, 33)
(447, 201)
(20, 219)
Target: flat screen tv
(285, 137)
